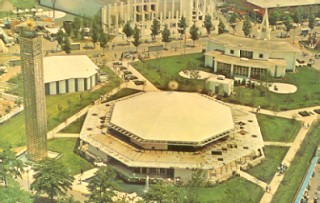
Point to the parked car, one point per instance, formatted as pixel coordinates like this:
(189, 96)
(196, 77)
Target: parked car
(122, 68)
(117, 63)
(139, 82)
(126, 72)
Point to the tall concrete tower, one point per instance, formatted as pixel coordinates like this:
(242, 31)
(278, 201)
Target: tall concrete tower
(34, 95)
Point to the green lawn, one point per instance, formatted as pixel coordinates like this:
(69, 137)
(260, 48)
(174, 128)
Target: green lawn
(123, 93)
(74, 127)
(233, 190)
(59, 108)
(278, 129)
(268, 167)
(295, 173)
(73, 162)
(308, 93)
(161, 71)
(23, 4)
(13, 132)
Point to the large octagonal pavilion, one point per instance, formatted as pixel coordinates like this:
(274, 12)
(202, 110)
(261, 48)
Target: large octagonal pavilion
(155, 120)
(167, 134)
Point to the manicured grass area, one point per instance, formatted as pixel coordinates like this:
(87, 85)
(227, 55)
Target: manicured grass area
(74, 127)
(13, 132)
(278, 129)
(23, 4)
(268, 167)
(295, 173)
(123, 93)
(73, 162)
(231, 191)
(59, 108)
(161, 71)
(308, 93)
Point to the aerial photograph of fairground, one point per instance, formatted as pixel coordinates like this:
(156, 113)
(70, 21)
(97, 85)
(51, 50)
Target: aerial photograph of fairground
(159, 101)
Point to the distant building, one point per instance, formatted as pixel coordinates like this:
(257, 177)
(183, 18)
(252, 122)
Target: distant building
(306, 7)
(169, 134)
(235, 56)
(67, 74)
(166, 11)
(34, 95)
(115, 13)
(220, 85)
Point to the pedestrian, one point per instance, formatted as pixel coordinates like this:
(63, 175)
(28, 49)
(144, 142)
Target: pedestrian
(80, 180)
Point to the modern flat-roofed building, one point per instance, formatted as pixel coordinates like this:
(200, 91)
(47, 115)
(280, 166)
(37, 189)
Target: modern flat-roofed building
(234, 56)
(168, 134)
(67, 74)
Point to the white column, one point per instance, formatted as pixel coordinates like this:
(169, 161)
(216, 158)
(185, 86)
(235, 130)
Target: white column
(177, 17)
(109, 17)
(204, 9)
(172, 11)
(169, 16)
(121, 11)
(181, 12)
(161, 16)
(197, 9)
(134, 12)
(157, 10)
(128, 14)
(165, 9)
(104, 18)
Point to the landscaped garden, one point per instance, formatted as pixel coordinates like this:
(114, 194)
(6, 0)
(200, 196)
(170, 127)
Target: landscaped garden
(298, 167)
(163, 70)
(268, 167)
(308, 92)
(278, 129)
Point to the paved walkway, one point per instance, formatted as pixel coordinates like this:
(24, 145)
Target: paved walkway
(276, 180)
(253, 179)
(280, 144)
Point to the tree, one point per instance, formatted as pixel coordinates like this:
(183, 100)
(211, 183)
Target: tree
(95, 33)
(233, 21)
(297, 17)
(311, 21)
(60, 36)
(51, 178)
(102, 185)
(274, 17)
(76, 26)
(136, 37)
(66, 45)
(208, 23)
(182, 25)
(103, 41)
(68, 28)
(166, 35)
(287, 20)
(196, 181)
(163, 193)
(14, 193)
(127, 30)
(246, 27)
(221, 27)
(155, 28)
(194, 32)
(10, 166)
